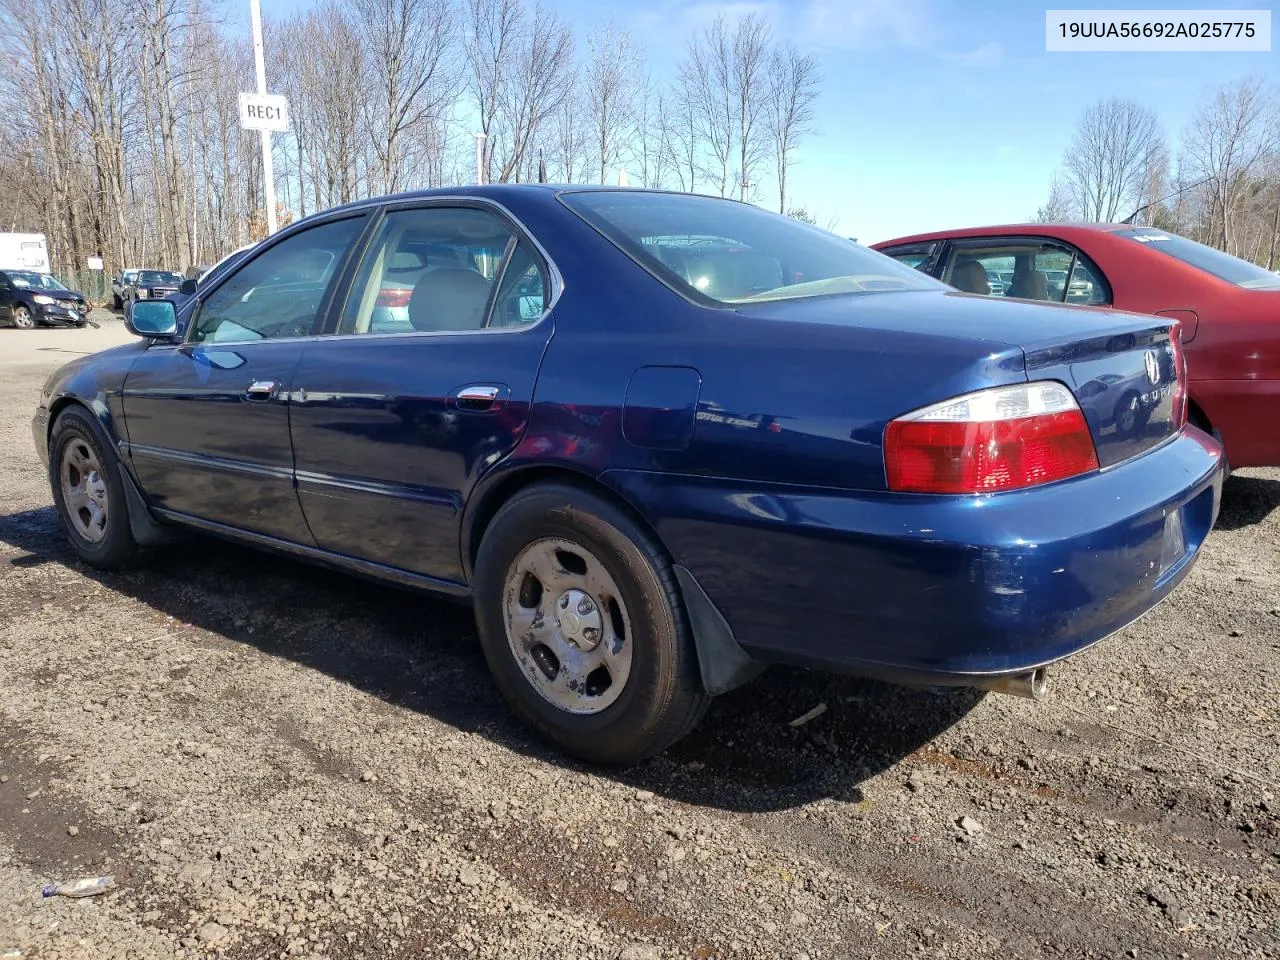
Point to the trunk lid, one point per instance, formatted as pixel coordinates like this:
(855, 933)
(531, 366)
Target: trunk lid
(1121, 367)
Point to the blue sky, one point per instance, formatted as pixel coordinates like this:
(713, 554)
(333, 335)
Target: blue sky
(933, 113)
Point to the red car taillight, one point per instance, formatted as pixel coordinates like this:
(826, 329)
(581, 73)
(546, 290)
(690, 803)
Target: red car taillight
(394, 296)
(1180, 376)
(999, 439)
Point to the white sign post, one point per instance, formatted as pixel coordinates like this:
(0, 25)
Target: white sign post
(264, 112)
(95, 263)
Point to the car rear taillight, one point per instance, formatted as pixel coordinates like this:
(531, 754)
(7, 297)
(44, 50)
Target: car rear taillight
(1180, 376)
(394, 296)
(999, 439)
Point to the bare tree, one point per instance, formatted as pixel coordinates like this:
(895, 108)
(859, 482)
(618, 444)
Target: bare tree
(1059, 206)
(792, 90)
(410, 57)
(1231, 135)
(706, 88)
(749, 82)
(609, 94)
(1107, 162)
(539, 86)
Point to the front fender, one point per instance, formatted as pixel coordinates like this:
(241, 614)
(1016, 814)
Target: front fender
(94, 382)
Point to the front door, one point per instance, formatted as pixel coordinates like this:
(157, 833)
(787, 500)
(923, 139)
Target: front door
(208, 420)
(428, 382)
(6, 298)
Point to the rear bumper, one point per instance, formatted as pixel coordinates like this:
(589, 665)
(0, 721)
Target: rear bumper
(938, 589)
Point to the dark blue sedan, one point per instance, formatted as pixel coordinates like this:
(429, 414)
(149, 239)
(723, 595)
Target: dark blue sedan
(657, 440)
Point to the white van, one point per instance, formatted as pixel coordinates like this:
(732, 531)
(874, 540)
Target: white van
(24, 251)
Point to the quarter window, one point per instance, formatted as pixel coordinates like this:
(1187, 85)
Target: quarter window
(281, 292)
(434, 270)
(916, 256)
(1028, 270)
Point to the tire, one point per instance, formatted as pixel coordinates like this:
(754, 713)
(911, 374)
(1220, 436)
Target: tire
(116, 303)
(22, 318)
(76, 436)
(659, 697)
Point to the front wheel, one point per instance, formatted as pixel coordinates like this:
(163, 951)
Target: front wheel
(583, 627)
(89, 495)
(22, 318)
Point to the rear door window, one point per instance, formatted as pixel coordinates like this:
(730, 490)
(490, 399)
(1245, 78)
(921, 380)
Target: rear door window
(1026, 269)
(445, 270)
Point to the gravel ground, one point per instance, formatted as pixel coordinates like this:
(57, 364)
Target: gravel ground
(275, 761)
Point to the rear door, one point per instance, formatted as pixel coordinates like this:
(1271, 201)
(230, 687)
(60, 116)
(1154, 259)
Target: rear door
(208, 419)
(426, 382)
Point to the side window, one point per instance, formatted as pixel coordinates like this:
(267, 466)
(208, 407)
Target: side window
(1087, 285)
(280, 292)
(522, 296)
(433, 270)
(1028, 270)
(915, 255)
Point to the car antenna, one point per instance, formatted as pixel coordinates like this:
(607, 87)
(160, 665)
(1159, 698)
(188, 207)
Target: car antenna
(1130, 218)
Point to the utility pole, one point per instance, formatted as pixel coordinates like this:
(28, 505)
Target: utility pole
(480, 138)
(268, 176)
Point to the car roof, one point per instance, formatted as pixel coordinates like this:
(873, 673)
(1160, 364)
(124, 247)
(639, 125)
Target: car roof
(1061, 228)
(503, 191)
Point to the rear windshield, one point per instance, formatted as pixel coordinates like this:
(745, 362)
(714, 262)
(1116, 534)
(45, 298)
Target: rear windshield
(725, 252)
(1221, 265)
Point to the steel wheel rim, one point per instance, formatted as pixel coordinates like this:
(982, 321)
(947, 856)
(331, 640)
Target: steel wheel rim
(567, 626)
(84, 490)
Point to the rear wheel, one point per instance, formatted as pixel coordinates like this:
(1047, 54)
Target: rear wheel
(22, 318)
(582, 625)
(89, 495)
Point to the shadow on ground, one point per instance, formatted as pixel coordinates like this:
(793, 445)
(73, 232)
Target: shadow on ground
(421, 654)
(1247, 501)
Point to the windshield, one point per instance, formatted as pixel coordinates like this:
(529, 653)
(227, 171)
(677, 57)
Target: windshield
(725, 252)
(35, 281)
(1221, 265)
(158, 276)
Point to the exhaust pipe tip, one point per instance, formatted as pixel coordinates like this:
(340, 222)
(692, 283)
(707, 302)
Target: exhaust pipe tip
(1031, 685)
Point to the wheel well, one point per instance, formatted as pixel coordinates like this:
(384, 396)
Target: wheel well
(1197, 417)
(493, 499)
(57, 407)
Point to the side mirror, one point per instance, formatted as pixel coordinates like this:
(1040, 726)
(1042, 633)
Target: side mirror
(151, 318)
(188, 287)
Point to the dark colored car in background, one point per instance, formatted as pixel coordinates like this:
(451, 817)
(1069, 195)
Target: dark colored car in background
(30, 299)
(656, 440)
(1228, 308)
(152, 285)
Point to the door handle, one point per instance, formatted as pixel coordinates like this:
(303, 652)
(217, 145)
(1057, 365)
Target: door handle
(480, 397)
(261, 390)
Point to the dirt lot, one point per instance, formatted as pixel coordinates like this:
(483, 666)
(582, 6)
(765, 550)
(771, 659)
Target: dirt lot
(275, 761)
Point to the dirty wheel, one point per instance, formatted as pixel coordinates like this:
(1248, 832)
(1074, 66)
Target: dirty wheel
(88, 493)
(583, 627)
(22, 318)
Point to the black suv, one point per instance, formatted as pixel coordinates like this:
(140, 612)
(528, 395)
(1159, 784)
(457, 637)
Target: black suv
(28, 298)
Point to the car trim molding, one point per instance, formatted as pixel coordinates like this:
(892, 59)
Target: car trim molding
(224, 464)
(395, 491)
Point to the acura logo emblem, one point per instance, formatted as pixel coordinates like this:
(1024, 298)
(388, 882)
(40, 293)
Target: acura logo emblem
(1153, 366)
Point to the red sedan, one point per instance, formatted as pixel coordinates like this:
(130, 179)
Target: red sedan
(1229, 308)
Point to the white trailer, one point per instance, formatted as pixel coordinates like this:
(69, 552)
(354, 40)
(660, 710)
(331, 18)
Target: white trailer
(24, 251)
